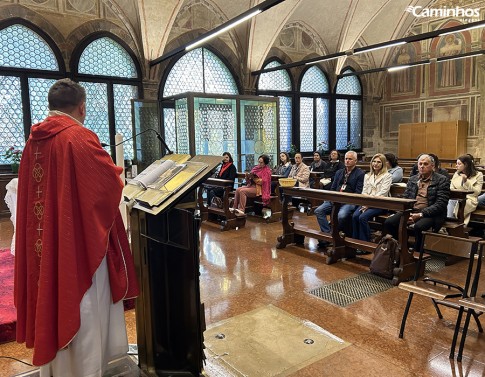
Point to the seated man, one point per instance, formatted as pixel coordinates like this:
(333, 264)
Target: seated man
(431, 191)
(349, 179)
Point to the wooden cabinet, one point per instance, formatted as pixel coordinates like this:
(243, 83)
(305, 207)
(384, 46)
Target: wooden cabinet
(445, 139)
(5, 178)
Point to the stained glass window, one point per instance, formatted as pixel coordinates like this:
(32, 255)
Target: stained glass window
(314, 112)
(314, 81)
(96, 109)
(106, 57)
(276, 80)
(21, 47)
(123, 95)
(349, 85)
(11, 119)
(199, 70)
(270, 83)
(349, 112)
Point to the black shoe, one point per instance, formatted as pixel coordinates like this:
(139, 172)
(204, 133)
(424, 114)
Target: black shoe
(362, 252)
(323, 244)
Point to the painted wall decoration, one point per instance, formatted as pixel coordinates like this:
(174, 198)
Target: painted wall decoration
(450, 72)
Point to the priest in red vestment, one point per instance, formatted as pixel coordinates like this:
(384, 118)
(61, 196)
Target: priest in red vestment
(73, 265)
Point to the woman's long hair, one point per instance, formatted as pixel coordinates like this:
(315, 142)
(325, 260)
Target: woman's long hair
(383, 159)
(470, 169)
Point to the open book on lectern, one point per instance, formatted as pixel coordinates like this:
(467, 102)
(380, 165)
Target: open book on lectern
(161, 179)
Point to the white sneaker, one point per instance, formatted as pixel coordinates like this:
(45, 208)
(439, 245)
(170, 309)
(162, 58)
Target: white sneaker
(239, 211)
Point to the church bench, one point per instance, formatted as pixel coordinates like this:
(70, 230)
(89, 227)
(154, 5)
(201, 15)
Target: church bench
(222, 216)
(343, 245)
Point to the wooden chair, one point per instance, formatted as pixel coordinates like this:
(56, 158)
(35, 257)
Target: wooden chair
(473, 305)
(441, 291)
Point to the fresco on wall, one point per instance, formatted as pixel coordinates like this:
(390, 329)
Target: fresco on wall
(404, 81)
(450, 72)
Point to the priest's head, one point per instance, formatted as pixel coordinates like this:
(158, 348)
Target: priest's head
(69, 97)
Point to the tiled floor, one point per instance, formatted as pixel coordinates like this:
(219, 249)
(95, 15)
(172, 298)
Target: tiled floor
(241, 270)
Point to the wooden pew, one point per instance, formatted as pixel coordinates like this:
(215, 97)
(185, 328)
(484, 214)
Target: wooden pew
(344, 246)
(223, 216)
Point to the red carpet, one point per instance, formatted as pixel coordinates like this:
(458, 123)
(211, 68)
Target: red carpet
(8, 314)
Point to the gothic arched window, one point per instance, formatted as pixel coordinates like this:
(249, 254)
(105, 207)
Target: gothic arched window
(275, 84)
(314, 110)
(348, 112)
(111, 77)
(30, 64)
(201, 71)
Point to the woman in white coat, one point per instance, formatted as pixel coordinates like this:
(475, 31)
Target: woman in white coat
(376, 183)
(467, 178)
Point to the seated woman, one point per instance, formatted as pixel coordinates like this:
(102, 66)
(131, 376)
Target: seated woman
(284, 166)
(467, 178)
(317, 165)
(330, 169)
(376, 183)
(393, 168)
(258, 182)
(227, 171)
(300, 172)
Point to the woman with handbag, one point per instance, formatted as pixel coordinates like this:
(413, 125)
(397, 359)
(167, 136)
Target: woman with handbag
(227, 171)
(258, 182)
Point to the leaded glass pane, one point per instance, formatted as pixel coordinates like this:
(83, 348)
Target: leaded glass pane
(276, 80)
(182, 126)
(217, 77)
(215, 126)
(11, 118)
(38, 90)
(322, 121)
(285, 123)
(194, 69)
(355, 123)
(187, 75)
(97, 109)
(341, 123)
(105, 57)
(21, 47)
(314, 81)
(258, 132)
(349, 85)
(306, 124)
(169, 128)
(123, 94)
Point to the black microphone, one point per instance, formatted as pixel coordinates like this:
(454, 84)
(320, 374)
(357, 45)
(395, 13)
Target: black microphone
(159, 137)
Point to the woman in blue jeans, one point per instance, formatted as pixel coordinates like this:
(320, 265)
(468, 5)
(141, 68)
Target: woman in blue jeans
(376, 183)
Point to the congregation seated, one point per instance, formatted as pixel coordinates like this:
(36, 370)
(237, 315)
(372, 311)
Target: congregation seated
(300, 171)
(258, 183)
(393, 168)
(431, 191)
(227, 171)
(350, 179)
(377, 182)
(467, 178)
(331, 167)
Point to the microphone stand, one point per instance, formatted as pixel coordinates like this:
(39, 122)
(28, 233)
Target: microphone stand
(159, 137)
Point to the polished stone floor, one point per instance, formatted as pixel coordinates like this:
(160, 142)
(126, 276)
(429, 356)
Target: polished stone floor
(241, 270)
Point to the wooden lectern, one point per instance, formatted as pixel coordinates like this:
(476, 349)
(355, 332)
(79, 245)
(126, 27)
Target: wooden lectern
(169, 315)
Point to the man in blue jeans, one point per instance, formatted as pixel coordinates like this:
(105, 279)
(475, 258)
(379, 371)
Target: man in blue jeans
(350, 179)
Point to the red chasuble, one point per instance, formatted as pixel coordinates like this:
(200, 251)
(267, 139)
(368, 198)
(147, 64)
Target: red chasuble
(67, 221)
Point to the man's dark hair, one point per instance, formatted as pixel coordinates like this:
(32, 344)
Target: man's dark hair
(65, 94)
(392, 159)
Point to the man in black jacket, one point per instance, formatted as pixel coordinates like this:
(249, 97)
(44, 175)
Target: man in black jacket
(431, 191)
